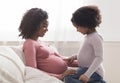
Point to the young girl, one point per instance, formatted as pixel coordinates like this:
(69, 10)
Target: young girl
(39, 54)
(90, 55)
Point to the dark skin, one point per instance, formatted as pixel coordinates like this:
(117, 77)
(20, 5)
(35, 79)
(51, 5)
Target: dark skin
(91, 30)
(42, 30)
(84, 30)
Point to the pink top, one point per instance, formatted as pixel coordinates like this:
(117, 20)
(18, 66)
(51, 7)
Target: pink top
(40, 55)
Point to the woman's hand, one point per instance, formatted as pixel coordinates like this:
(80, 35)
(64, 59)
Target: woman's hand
(84, 78)
(69, 72)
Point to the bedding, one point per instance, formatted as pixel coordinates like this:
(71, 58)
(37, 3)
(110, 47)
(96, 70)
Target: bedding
(11, 66)
(36, 76)
(13, 69)
(18, 51)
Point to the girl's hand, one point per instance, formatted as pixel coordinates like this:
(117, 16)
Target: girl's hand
(84, 78)
(70, 59)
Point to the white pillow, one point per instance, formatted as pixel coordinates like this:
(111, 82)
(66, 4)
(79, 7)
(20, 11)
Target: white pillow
(36, 76)
(9, 73)
(19, 52)
(12, 69)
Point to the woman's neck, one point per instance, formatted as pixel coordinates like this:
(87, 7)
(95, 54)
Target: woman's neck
(34, 38)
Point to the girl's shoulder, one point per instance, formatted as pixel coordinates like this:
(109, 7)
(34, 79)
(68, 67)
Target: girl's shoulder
(94, 38)
(94, 35)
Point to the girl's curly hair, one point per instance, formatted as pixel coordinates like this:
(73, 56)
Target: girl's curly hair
(87, 16)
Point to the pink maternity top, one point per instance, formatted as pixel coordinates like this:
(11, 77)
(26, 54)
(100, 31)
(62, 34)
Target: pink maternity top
(40, 55)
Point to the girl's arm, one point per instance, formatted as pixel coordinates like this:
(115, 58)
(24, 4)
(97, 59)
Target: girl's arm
(97, 44)
(71, 61)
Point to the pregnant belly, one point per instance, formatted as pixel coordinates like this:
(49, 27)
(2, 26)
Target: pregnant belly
(52, 64)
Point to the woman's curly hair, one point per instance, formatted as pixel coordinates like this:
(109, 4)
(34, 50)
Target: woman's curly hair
(31, 22)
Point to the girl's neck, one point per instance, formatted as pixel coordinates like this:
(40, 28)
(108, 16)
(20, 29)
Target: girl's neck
(91, 31)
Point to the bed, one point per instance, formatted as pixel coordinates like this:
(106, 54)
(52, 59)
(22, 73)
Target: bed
(13, 69)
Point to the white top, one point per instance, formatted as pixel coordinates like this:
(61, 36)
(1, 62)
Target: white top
(91, 54)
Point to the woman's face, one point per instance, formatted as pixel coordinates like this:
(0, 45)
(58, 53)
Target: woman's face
(43, 29)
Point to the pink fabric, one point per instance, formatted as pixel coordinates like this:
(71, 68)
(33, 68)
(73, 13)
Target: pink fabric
(40, 55)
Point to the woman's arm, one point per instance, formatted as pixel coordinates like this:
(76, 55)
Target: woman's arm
(30, 54)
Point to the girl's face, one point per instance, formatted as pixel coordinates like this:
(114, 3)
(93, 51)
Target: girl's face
(43, 29)
(81, 29)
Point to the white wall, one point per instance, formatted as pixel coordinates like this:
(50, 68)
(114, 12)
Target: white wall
(60, 12)
(111, 61)
(110, 26)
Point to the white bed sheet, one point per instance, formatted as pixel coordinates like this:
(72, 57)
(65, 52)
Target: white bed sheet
(36, 76)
